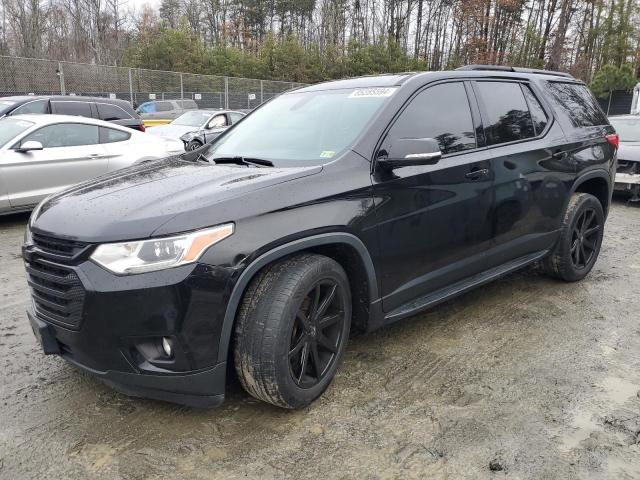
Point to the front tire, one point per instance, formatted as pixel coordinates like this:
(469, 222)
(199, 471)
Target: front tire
(292, 330)
(193, 145)
(580, 239)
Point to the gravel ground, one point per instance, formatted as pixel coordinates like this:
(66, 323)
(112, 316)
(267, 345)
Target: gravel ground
(523, 378)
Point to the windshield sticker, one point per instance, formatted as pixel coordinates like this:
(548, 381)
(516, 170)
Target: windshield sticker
(372, 92)
(327, 154)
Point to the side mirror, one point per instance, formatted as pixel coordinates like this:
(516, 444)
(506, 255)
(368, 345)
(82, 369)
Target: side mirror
(30, 146)
(406, 152)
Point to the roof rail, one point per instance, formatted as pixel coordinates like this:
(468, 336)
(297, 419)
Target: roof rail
(504, 68)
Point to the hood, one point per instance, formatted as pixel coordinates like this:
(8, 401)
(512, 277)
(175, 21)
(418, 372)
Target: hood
(172, 131)
(629, 151)
(134, 202)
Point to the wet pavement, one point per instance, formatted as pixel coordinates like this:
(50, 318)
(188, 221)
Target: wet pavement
(524, 378)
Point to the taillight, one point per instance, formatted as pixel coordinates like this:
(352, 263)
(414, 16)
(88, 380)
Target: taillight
(614, 140)
(141, 127)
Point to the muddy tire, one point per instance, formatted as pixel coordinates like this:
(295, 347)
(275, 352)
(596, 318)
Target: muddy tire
(292, 330)
(580, 239)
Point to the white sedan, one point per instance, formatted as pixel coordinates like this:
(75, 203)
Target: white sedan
(41, 154)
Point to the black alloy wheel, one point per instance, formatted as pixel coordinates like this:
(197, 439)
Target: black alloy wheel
(584, 239)
(316, 333)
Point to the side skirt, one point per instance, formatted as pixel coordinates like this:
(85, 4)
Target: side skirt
(433, 298)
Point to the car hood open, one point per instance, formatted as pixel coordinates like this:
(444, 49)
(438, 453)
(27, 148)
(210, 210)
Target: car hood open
(134, 202)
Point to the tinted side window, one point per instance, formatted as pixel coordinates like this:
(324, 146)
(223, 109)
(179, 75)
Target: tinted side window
(37, 106)
(576, 105)
(82, 109)
(538, 114)
(65, 135)
(111, 135)
(441, 112)
(111, 112)
(508, 118)
(164, 107)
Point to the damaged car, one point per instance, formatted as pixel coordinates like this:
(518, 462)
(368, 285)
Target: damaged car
(628, 171)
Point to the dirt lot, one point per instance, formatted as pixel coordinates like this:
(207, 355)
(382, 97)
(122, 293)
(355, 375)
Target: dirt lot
(524, 378)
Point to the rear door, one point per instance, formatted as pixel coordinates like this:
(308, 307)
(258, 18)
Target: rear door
(71, 107)
(525, 149)
(71, 154)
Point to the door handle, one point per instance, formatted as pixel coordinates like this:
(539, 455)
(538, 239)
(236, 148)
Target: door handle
(95, 155)
(477, 173)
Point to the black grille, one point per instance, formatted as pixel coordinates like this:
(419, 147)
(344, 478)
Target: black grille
(626, 166)
(58, 248)
(57, 292)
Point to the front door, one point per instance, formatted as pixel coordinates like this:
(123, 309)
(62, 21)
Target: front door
(71, 154)
(433, 220)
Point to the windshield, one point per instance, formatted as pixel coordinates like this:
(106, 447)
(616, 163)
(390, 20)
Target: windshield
(192, 119)
(302, 127)
(628, 129)
(10, 128)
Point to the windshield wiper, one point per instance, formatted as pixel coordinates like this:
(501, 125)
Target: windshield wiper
(256, 162)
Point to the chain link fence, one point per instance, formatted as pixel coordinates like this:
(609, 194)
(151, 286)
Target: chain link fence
(28, 76)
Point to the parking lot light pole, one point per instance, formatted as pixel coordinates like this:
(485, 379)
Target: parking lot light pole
(226, 93)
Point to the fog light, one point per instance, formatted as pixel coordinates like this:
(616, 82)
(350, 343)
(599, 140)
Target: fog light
(166, 346)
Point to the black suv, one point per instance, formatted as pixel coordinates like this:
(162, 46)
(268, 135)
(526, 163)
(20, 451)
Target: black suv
(108, 109)
(337, 207)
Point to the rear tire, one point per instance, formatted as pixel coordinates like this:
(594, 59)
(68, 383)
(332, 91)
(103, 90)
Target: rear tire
(580, 239)
(292, 330)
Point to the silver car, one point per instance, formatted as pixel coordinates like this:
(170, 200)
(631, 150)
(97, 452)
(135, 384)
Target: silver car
(199, 127)
(165, 109)
(41, 154)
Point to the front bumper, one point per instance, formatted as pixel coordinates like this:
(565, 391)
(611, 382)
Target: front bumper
(119, 318)
(628, 178)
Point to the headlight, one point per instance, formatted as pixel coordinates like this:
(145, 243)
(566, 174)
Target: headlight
(187, 137)
(158, 253)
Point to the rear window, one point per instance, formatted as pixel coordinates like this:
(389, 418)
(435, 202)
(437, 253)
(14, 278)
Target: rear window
(576, 106)
(508, 117)
(111, 135)
(82, 109)
(110, 113)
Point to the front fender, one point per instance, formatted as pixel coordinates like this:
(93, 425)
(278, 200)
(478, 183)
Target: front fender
(279, 252)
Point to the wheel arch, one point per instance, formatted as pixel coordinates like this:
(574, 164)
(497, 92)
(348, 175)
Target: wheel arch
(347, 249)
(596, 183)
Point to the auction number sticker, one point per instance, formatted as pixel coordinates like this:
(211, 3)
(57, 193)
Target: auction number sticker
(372, 92)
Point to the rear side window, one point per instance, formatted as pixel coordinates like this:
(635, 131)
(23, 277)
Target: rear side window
(440, 112)
(188, 104)
(110, 113)
(164, 107)
(576, 106)
(538, 114)
(82, 109)
(37, 106)
(111, 135)
(508, 117)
